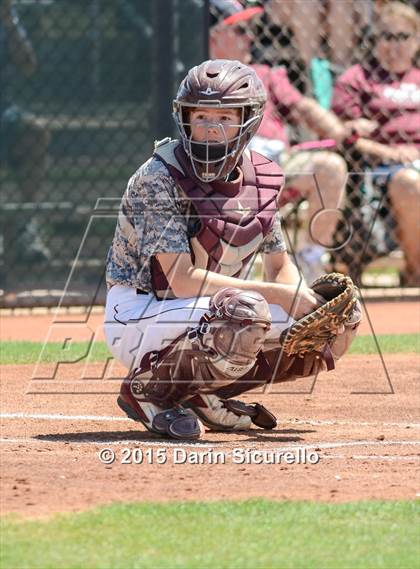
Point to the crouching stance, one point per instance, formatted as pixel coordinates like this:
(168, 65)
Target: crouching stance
(222, 348)
(228, 354)
(182, 313)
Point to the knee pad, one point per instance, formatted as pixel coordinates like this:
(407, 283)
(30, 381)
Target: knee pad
(223, 348)
(239, 321)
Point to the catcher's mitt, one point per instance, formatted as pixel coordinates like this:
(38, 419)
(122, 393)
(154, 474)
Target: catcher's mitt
(312, 332)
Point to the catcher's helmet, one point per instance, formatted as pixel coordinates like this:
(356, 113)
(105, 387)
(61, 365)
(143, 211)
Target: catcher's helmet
(221, 84)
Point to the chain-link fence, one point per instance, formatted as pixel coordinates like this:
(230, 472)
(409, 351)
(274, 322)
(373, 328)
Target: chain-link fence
(85, 88)
(359, 59)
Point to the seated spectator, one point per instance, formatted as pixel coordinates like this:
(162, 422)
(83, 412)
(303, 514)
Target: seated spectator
(332, 27)
(380, 100)
(318, 176)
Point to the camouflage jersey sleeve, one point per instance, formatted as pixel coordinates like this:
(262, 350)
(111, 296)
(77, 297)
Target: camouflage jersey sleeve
(274, 241)
(151, 220)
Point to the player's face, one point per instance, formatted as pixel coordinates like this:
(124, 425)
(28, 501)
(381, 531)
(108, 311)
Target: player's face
(396, 44)
(206, 124)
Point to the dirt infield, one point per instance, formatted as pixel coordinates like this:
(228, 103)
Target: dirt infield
(368, 444)
(362, 420)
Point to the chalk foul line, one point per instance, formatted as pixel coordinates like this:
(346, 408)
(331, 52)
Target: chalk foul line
(109, 418)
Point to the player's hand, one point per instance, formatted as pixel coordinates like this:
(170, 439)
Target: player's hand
(303, 300)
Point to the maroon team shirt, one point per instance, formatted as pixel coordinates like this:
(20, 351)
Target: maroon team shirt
(281, 98)
(374, 94)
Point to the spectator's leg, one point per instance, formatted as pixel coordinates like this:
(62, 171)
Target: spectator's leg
(321, 179)
(322, 182)
(404, 192)
(325, 195)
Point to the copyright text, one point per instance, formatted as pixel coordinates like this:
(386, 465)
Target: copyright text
(180, 455)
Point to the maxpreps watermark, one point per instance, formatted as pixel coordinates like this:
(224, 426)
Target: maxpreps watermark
(180, 455)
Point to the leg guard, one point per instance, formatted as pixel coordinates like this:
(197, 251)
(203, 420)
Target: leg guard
(220, 350)
(174, 422)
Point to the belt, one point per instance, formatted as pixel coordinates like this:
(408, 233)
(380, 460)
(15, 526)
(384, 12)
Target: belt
(139, 291)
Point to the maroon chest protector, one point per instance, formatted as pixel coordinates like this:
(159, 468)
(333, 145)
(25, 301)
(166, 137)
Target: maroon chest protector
(234, 217)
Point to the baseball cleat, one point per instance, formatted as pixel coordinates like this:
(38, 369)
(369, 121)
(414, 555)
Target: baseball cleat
(178, 423)
(173, 422)
(258, 414)
(211, 410)
(229, 414)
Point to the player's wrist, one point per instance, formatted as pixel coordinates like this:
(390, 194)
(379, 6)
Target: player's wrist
(282, 294)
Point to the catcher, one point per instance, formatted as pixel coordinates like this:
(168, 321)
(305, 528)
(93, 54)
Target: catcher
(181, 312)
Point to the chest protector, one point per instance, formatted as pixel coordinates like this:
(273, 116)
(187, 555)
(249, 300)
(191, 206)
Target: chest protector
(233, 218)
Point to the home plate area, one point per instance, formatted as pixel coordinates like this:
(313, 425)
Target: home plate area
(347, 435)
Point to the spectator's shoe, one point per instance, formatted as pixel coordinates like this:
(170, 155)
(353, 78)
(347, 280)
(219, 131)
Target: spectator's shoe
(229, 414)
(175, 422)
(310, 262)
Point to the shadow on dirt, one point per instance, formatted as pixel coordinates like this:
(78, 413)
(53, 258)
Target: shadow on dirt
(102, 437)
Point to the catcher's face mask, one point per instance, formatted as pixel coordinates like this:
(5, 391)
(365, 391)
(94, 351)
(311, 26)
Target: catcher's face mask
(213, 125)
(214, 137)
(218, 88)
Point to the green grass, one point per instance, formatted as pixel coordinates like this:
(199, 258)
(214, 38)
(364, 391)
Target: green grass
(383, 270)
(17, 352)
(254, 534)
(388, 343)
